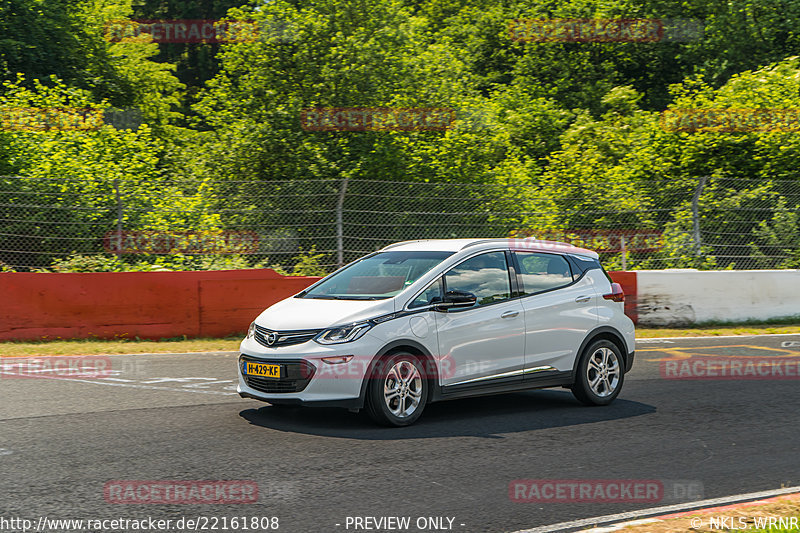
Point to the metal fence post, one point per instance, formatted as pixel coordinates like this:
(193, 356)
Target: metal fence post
(624, 247)
(696, 215)
(119, 218)
(340, 222)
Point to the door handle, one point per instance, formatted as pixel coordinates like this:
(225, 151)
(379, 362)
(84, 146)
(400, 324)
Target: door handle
(583, 299)
(509, 314)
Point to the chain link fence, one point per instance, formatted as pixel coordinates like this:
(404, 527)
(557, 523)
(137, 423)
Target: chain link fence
(700, 222)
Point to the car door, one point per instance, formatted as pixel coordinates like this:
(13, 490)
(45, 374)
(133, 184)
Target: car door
(486, 341)
(559, 308)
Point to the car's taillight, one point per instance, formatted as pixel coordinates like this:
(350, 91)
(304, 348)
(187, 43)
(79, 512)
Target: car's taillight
(616, 294)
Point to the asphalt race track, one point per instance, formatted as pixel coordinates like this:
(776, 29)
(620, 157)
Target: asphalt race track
(176, 417)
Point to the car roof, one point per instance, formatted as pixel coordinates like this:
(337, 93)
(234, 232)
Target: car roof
(456, 245)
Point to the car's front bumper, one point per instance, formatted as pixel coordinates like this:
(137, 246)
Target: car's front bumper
(305, 377)
(353, 403)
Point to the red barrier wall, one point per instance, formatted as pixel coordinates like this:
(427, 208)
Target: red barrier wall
(138, 304)
(156, 305)
(628, 282)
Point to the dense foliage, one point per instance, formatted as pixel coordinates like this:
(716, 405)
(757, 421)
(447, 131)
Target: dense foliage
(563, 135)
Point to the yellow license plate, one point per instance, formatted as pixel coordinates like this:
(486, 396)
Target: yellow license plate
(261, 369)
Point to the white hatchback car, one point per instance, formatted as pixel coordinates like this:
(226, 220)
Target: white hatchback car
(423, 321)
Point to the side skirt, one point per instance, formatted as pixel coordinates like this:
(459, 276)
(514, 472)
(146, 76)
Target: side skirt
(503, 385)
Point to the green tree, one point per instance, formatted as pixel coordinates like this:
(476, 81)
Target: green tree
(60, 193)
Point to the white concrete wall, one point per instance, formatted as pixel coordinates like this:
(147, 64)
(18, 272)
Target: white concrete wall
(686, 296)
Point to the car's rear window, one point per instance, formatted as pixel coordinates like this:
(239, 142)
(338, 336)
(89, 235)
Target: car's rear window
(542, 272)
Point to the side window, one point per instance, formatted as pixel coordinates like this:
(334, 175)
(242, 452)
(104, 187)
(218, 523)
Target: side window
(485, 276)
(587, 263)
(431, 295)
(540, 272)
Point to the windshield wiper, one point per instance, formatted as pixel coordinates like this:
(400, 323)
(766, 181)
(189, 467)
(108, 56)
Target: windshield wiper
(351, 297)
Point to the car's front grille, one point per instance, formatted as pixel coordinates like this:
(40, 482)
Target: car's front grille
(274, 339)
(295, 376)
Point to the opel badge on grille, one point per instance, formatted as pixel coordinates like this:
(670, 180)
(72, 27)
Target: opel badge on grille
(271, 337)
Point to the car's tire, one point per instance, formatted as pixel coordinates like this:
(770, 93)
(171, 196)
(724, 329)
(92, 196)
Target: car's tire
(600, 374)
(397, 391)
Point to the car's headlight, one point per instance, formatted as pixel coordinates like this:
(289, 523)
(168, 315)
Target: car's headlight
(251, 330)
(343, 334)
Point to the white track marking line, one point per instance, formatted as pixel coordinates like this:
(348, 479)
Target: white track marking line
(617, 527)
(134, 386)
(666, 509)
(153, 387)
(130, 385)
(117, 355)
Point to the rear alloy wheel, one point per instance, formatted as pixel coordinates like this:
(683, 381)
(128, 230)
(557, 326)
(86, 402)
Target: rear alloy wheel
(398, 391)
(600, 374)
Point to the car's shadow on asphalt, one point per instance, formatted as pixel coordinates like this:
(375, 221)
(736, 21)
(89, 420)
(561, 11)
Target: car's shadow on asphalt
(488, 417)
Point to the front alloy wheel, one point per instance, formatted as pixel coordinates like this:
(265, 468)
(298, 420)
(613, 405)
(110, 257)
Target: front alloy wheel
(397, 391)
(600, 374)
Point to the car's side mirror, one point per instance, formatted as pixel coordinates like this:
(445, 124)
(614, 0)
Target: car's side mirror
(455, 298)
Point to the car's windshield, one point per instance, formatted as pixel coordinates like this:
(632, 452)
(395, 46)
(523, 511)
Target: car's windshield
(377, 276)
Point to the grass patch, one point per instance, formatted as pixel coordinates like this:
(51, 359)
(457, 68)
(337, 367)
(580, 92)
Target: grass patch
(231, 344)
(713, 328)
(716, 331)
(745, 518)
(778, 321)
(110, 347)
